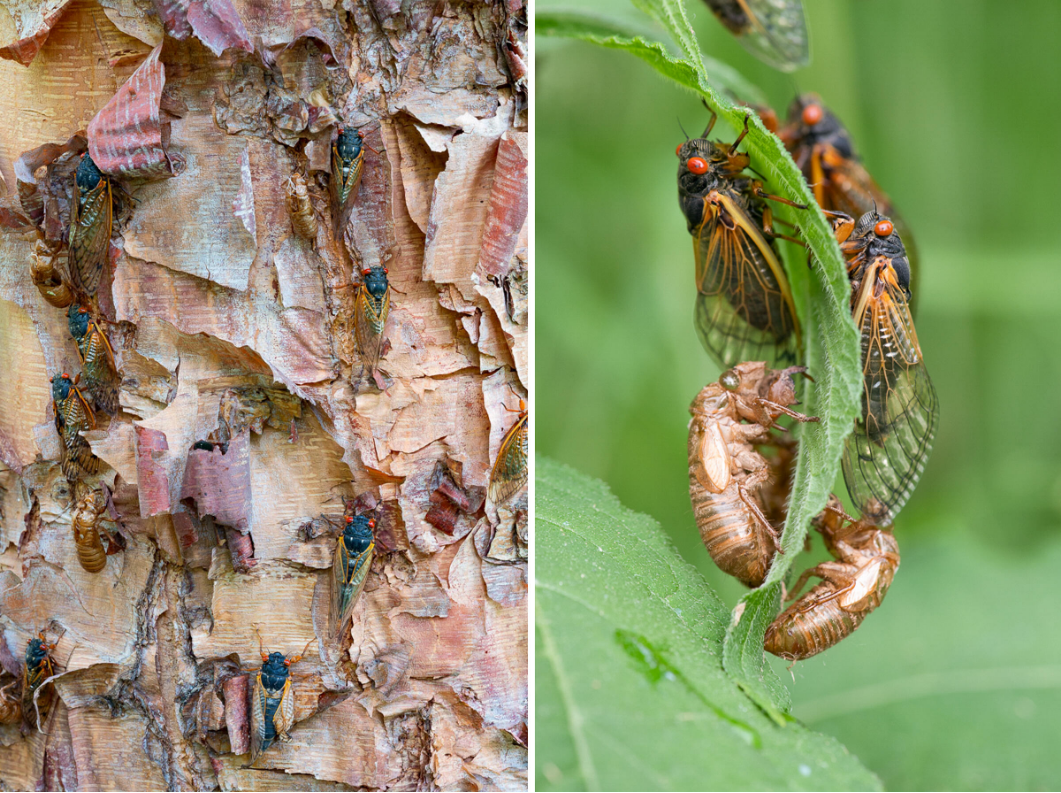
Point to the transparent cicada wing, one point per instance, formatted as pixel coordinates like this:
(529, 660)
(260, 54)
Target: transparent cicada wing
(346, 175)
(90, 234)
(774, 31)
(509, 473)
(744, 308)
(349, 573)
(885, 456)
(370, 318)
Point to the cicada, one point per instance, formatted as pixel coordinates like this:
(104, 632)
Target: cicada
(300, 208)
(885, 456)
(348, 162)
(823, 150)
(99, 371)
(273, 703)
(46, 276)
(353, 558)
(373, 304)
(72, 415)
(88, 533)
(853, 586)
(774, 31)
(39, 667)
(726, 472)
(91, 218)
(744, 308)
(10, 704)
(509, 473)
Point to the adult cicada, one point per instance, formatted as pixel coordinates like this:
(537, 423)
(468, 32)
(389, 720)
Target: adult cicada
(823, 150)
(72, 415)
(885, 456)
(744, 308)
(99, 372)
(89, 533)
(272, 703)
(91, 218)
(353, 559)
(39, 667)
(726, 472)
(373, 304)
(509, 473)
(867, 557)
(348, 163)
(774, 31)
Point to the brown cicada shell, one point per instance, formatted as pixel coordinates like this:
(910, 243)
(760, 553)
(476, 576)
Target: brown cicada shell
(300, 208)
(727, 473)
(47, 278)
(10, 704)
(89, 534)
(853, 586)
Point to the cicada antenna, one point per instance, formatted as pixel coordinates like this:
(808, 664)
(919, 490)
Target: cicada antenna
(261, 649)
(686, 134)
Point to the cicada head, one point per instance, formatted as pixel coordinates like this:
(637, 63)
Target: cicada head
(77, 317)
(36, 652)
(88, 175)
(348, 144)
(376, 281)
(876, 235)
(61, 385)
(358, 533)
(810, 123)
(274, 671)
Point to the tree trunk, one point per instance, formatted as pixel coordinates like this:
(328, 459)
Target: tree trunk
(235, 335)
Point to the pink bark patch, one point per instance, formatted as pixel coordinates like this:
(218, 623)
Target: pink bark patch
(215, 23)
(508, 207)
(150, 473)
(34, 28)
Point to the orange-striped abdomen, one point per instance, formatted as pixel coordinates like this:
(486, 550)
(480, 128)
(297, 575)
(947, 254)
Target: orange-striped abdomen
(814, 623)
(87, 538)
(737, 542)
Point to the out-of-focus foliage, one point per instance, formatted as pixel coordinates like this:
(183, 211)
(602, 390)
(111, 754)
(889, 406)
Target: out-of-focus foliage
(920, 86)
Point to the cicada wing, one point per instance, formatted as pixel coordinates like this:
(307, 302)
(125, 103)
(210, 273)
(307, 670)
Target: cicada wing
(885, 456)
(744, 308)
(260, 738)
(346, 176)
(284, 718)
(370, 318)
(90, 234)
(509, 473)
(776, 33)
(348, 580)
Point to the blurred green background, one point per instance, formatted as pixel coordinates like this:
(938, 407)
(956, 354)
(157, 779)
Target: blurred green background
(955, 683)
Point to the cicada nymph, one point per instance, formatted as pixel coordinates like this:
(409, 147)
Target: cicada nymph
(353, 559)
(47, 277)
(823, 150)
(72, 415)
(10, 704)
(744, 307)
(774, 31)
(348, 163)
(851, 587)
(509, 473)
(99, 372)
(272, 703)
(39, 667)
(89, 533)
(373, 304)
(726, 472)
(91, 219)
(884, 458)
(300, 207)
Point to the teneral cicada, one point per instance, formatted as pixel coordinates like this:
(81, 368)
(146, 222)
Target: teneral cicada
(348, 162)
(726, 471)
(851, 587)
(10, 704)
(353, 559)
(744, 308)
(99, 372)
(774, 31)
(272, 703)
(509, 473)
(823, 150)
(72, 415)
(373, 304)
(46, 276)
(885, 456)
(300, 207)
(91, 218)
(39, 667)
(89, 533)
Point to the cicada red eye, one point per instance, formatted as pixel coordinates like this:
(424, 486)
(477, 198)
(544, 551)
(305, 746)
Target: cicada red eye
(884, 228)
(349, 519)
(385, 271)
(812, 114)
(697, 165)
(366, 271)
(66, 376)
(678, 149)
(371, 523)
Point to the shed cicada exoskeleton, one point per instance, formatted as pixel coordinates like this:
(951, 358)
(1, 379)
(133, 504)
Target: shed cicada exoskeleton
(272, 702)
(744, 307)
(72, 415)
(353, 559)
(726, 472)
(867, 557)
(47, 277)
(10, 703)
(89, 533)
(509, 473)
(99, 371)
(300, 207)
(774, 31)
(91, 219)
(373, 304)
(39, 667)
(885, 456)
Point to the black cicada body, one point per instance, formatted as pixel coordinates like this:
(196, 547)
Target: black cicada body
(348, 162)
(370, 314)
(509, 473)
(99, 370)
(884, 458)
(39, 667)
(774, 31)
(72, 415)
(272, 704)
(91, 219)
(353, 558)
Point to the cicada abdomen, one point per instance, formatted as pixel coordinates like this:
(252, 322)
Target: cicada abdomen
(353, 559)
(348, 163)
(300, 208)
(99, 371)
(272, 703)
(509, 474)
(373, 304)
(47, 278)
(851, 587)
(10, 704)
(726, 472)
(774, 31)
(744, 306)
(72, 415)
(39, 667)
(88, 533)
(91, 219)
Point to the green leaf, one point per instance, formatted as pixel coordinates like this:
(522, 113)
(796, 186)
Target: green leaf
(630, 689)
(830, 341)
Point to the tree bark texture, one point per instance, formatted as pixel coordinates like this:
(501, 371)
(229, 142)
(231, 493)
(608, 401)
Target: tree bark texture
(201, 112)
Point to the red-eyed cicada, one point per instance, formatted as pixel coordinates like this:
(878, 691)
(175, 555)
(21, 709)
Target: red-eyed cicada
(853, 586)
(91, 218)
(774, 31)
(726, 472)
(72, 415)
(823, 150)
(885, 456)
(272, 703)
(744, 308)
(373, 304)
(89, 533)
(353, 559)
(99, 372)
(39, 667)
(509, 473)
(348, 163)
